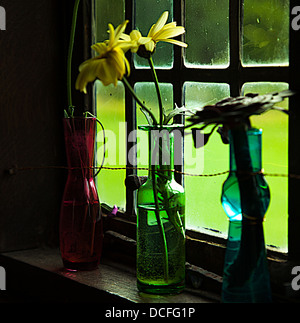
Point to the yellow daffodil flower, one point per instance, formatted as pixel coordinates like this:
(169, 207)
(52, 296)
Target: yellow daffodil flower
(163, 32)
(110, 65)
(158, 32)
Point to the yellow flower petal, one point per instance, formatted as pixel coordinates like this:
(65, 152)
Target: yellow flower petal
(150, 33)
(159, 25)
(125, 37)
(135, 35)
(169, 33)
(170, 25)
(106, 74)
(111, 35)
(87, 74)
(144, 40)
(150, 46)
(120, 29)
(125, 45)
(100, 48)
(127, 66)
(117, 60)
(176, 42)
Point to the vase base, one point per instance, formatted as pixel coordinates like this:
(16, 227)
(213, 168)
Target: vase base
(261, 296)
(160, 289)
(80, 266)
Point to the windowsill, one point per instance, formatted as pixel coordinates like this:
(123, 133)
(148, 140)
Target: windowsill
(38, 275)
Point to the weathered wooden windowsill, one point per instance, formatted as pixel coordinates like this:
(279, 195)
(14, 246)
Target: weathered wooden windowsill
(38, 275)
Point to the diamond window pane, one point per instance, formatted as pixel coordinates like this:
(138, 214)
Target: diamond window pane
(265, 37)
(203, 208)
(274, 161)
(207, 33)
(146, 14)
(105, 15)
(110, 109)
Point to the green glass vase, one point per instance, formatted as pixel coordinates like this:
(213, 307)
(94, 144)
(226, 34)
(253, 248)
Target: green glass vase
(161, 217)
(245, 199)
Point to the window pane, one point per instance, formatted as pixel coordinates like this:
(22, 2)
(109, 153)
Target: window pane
(203, 194)
(147, 94)
(105, 15)
(110, 109)
(146, 14)
(274, 161)
(207, 33)
(266, 32)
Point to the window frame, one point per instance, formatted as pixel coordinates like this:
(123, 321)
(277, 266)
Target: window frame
(210, 247)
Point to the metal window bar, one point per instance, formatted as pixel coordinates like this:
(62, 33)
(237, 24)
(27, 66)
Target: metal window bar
(294, 140)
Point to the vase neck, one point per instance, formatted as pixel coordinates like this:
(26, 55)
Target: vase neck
(161, 153)
(80, 142)
(255, 148)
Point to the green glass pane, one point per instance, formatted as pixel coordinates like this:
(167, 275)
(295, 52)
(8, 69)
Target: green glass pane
(147, 94)
(265, 32)
(110, 109)
(207, 33)
(105, 15)
(274, 161)
(204, 211)
(146, 14)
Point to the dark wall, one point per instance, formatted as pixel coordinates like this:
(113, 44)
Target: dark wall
(32, 99)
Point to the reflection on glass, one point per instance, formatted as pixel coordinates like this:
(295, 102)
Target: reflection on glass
(147, 93)
(110, 109)
(203, 194)
(105, 15)
(275, 161)
(146, 14)
(207, 33)
(265, 32)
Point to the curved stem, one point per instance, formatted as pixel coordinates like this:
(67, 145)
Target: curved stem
(70, 54)
(104, 146)
(159, 97)
(143, 107)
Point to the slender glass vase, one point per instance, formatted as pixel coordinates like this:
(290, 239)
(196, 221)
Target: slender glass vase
(161, 217)
(80, 229)
(245, 199)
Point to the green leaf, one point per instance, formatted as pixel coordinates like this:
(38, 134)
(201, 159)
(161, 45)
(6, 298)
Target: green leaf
(175, 112)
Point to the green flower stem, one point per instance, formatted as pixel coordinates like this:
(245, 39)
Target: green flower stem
(154, 75)
(154, 181)
(143, 107)
(160, 226)
(70, 54)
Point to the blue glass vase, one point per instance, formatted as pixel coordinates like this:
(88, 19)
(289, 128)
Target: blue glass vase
(245, 199)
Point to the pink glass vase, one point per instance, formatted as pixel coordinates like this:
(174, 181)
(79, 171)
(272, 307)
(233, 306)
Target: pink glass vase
(80, 228)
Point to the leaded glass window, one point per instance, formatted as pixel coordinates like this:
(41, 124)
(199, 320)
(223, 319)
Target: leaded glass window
(235, 47)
